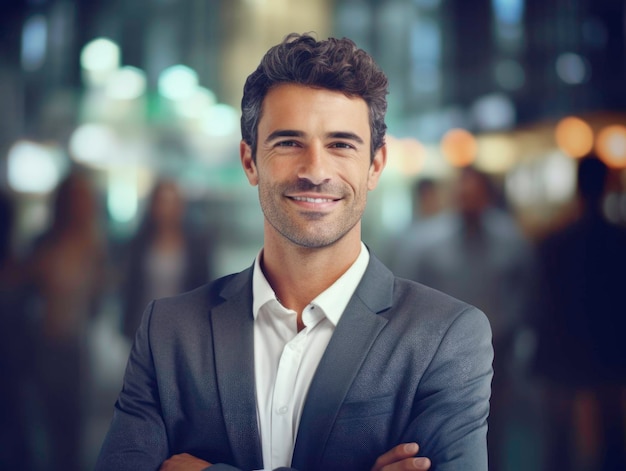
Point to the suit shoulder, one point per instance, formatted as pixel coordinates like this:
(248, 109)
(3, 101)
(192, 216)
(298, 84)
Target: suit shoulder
(431, 307)
(198, 300)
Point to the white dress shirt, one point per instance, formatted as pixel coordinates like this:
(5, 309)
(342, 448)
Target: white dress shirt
(285, 360)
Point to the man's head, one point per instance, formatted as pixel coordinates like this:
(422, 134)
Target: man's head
(475, 192)
(426, 195)
(333, 64)
(592, 178)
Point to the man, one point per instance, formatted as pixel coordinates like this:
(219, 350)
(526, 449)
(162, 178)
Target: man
(477, 253)
(314, 358)
(580, 323)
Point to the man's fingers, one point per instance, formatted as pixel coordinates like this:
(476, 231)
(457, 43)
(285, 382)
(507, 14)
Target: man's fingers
(184, 462)
(420, 464)
(395, 455)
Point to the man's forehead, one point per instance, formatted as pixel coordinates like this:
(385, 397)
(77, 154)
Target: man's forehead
(286, 99)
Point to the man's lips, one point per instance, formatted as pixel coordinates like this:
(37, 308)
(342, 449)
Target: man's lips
(314, 199)
(316, 204)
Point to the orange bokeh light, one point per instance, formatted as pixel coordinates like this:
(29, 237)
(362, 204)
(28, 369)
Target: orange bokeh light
(611, 145)
(459, 147)
(574, 137)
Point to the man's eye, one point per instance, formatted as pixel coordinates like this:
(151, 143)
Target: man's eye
(343, 145)
(286, 143)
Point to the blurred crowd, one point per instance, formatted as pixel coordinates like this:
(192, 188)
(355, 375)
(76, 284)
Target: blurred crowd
(55, 301)
(555, 305)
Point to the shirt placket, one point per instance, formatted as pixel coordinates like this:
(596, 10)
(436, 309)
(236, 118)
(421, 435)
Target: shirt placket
(283, 399)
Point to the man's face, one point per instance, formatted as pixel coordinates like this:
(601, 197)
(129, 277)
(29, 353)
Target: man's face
(312, 165)
(472, 195)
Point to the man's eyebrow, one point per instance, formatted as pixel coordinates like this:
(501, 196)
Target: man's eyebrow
(346, 135)
(284, 133)
(333, 135)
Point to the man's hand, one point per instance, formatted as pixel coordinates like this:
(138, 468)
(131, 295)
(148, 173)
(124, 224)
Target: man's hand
(400, 458)
(184, 462)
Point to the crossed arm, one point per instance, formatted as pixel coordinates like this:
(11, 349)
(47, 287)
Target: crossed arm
(399, 458)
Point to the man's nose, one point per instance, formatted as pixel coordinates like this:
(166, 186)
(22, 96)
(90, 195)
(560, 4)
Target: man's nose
(315, 165)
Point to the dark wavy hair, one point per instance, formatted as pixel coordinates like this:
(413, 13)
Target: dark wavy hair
(332, 64)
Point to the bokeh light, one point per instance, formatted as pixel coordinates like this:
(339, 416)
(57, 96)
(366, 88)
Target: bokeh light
(126, 83)
(459, 147)
(407, 155)
(122, 195)
(99, 59)
(34, 42)
(33, 167)
(196, 105)
(493, 112)
(220, 120)
(572, 68)
(93, 144)
(497, 153)
(574, 136)
(178, 82)
(611, 145)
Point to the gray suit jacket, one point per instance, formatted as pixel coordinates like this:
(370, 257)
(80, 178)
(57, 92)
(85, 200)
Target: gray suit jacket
(405, 363)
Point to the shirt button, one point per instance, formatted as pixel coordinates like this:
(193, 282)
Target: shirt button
(282, 410)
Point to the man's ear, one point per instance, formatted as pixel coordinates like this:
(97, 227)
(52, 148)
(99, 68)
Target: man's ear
(376, 167)
(245, 152)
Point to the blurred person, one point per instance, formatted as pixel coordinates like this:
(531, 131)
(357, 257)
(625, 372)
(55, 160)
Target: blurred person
(476, 252)
(581, 354)
(67, 272)
(426, 226)
(316, 357)
(427, 195)
(15, 349)
(165, 257)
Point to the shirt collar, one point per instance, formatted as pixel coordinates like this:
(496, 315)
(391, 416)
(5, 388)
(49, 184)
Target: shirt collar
(332, 301)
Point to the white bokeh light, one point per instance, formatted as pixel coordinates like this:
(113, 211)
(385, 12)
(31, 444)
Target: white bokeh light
(99, 59)
(220, 121)
(100, 54)
(33, 167)
(126, 83)
(178, 82)
(93, 144)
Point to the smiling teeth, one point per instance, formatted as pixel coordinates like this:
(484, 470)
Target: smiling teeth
(312, 200)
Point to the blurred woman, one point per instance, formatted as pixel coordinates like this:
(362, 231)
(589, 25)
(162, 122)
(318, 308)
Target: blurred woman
(68, 275)
(164, 258)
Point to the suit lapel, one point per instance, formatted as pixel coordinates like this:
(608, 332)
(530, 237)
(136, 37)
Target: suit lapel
(233, 337)
(353, 337)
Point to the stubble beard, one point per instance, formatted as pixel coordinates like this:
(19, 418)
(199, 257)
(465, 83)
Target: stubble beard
(308, 229)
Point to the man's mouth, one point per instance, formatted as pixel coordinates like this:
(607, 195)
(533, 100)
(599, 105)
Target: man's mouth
(307, 199)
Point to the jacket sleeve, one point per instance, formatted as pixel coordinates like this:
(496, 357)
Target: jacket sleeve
(452, 403)
(137, 439)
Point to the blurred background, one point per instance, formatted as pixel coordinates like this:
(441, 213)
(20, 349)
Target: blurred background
(121, 182)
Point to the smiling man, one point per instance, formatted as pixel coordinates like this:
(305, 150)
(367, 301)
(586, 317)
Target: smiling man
(316, 357)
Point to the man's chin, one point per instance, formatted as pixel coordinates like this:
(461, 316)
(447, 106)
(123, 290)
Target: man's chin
(316, 241)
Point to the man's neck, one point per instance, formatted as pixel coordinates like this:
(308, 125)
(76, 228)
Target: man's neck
(298, 274)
